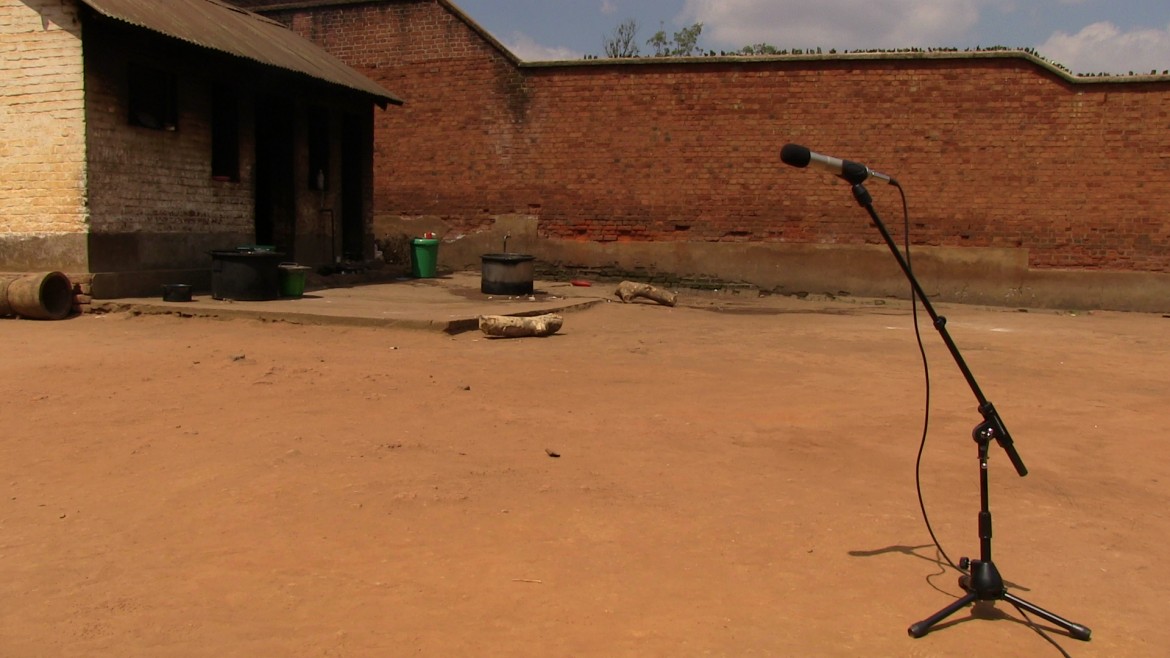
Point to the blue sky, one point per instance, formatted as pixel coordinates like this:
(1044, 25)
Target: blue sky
(1085, 36)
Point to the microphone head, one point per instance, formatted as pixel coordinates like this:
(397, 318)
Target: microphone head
(795, 155)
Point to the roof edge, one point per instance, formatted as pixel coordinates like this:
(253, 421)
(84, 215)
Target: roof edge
(369, 88)
(479, 29)
(454, 9)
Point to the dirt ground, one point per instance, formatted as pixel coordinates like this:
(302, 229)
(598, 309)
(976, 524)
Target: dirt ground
(735, 478)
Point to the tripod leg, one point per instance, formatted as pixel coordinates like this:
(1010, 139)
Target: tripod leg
(1077, 631)
(923, 627)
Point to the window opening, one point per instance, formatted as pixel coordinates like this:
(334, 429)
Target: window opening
(152, 98)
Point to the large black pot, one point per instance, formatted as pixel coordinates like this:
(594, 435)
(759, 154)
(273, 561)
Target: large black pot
(506, 274)
(245, 275)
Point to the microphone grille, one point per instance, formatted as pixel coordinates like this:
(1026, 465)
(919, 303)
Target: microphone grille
(795, 155)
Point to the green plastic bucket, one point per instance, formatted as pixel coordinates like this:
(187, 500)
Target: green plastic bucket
(292, 279)
(424, 256)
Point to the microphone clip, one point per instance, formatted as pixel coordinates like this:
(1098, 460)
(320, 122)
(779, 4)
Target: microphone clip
(854, 173)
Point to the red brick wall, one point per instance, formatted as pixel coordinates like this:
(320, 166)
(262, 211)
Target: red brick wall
(452, 150)
(994, 150)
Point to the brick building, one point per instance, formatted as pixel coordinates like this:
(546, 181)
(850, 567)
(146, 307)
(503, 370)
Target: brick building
(137, 137)
(1027, 186)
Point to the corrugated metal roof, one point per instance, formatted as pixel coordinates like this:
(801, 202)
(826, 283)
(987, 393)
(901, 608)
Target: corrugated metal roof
(229, 29)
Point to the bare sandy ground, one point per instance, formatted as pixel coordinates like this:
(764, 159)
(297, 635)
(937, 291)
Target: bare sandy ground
(735, 478)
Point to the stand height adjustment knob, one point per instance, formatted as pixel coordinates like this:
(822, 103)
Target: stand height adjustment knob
(965, 563)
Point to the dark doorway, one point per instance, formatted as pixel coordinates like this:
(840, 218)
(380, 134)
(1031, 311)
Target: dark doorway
(356, 144)
(275, 174)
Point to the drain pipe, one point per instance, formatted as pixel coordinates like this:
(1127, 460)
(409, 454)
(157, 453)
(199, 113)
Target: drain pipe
(47, 296)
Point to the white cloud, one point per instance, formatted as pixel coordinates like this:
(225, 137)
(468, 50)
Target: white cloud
(528, 50)
(1105, 48)
(842, 24)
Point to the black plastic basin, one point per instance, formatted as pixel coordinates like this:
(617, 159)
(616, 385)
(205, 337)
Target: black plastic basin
(244, 275)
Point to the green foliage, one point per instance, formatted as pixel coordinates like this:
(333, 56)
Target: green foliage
(686, 41)
(684, 44)
(760, 49)
(659, 43)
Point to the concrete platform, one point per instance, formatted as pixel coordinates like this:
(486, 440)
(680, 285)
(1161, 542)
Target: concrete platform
(450, 303)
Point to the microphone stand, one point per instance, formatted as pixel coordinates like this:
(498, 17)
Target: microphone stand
(982, 581)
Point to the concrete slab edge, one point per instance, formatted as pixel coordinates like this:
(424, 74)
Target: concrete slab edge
(451, 326)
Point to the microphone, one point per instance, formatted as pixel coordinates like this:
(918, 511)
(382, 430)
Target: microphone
(854, 172)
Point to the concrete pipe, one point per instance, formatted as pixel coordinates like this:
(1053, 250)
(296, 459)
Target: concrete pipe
(47, 296)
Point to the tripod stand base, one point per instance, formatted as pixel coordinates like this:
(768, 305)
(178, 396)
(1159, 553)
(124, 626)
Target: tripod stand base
(984, 584)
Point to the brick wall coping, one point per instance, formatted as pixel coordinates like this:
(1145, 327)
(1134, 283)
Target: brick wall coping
(901, 56)
(909, 54)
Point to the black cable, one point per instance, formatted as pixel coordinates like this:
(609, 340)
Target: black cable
(926, 426)
(926, 378)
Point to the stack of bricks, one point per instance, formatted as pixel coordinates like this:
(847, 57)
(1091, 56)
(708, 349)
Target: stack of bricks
(82, 292)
